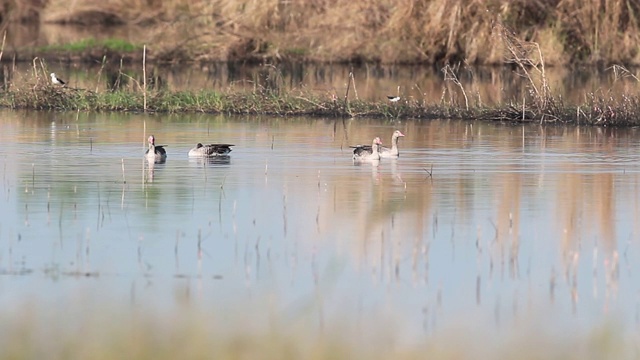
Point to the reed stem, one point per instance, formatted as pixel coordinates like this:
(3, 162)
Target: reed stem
(144, 77)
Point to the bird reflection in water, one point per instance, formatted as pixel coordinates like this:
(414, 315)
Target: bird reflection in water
(210, 161)
(151, 168)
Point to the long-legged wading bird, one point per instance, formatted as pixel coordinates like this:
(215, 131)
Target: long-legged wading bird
(56, 80)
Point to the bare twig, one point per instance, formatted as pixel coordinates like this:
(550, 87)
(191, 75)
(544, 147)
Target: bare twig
(144, 78)
(35, 74)
(4, 37)
(346, 94)
(430, 171)
(619, 72)
(104, 62)
(521, 53)
(450, 75)
(311, 102)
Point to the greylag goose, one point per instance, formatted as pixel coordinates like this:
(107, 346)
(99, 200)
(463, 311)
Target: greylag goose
(385, 152)
(393, 152)
(210, 150)
(365, 152)
(155, 153)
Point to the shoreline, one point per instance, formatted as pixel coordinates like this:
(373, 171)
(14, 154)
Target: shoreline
(539, 104)
(597, 111)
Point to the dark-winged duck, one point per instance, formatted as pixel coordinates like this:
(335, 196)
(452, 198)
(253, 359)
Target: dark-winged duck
(155, 153)
(210, 150)
(365, 152)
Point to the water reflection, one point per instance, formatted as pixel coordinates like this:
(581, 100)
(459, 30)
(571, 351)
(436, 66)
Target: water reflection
(474, 221)
(210, 161)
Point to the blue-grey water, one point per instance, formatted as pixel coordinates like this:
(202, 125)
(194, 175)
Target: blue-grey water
(477, 226)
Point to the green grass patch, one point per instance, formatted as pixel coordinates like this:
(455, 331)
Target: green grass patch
(84, 45)
(296, 51)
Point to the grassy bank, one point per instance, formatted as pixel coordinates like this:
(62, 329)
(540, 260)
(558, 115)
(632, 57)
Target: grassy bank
(597, 110)
(268, 97)
(430, 32)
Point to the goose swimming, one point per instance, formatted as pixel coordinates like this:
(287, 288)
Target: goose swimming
(386, 152)
(155, 153)
(365, 152)
(210, 150)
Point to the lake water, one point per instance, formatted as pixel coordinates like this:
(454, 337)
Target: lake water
(476, 227)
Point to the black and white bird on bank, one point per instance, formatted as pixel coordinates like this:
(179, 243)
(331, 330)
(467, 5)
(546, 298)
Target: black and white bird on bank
(395, 98)
(56, 80)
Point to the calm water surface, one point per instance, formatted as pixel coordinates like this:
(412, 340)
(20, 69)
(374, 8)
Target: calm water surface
(515, 225)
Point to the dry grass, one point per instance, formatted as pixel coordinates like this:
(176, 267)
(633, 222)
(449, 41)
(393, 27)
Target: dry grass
(366, 30)
(268, 97)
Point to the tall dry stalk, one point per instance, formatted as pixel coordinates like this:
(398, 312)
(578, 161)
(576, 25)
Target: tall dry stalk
(346, 94)
(4, 37)
(529, 62)
(104, 62)
(450, 75)
(144, 77)
(35, 74)
(621, 72)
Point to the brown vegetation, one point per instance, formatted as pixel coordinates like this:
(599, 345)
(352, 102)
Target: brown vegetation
(21, 11)
(386, 31)
(538, 103)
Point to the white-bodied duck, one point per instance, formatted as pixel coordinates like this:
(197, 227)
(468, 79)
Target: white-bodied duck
(155, 153)
(365, 152)
(210, 150)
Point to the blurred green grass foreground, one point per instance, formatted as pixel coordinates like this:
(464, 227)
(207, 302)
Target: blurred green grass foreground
(99, 331)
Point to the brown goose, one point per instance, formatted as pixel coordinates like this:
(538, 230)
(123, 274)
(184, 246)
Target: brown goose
(365, 152)
(393, 152)
(210, 150)
(155, 153)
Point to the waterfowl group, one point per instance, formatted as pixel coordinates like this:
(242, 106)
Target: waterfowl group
(376, 150)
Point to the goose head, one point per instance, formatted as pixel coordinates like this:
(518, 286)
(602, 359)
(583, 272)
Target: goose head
(397, 134)
(376, 143)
